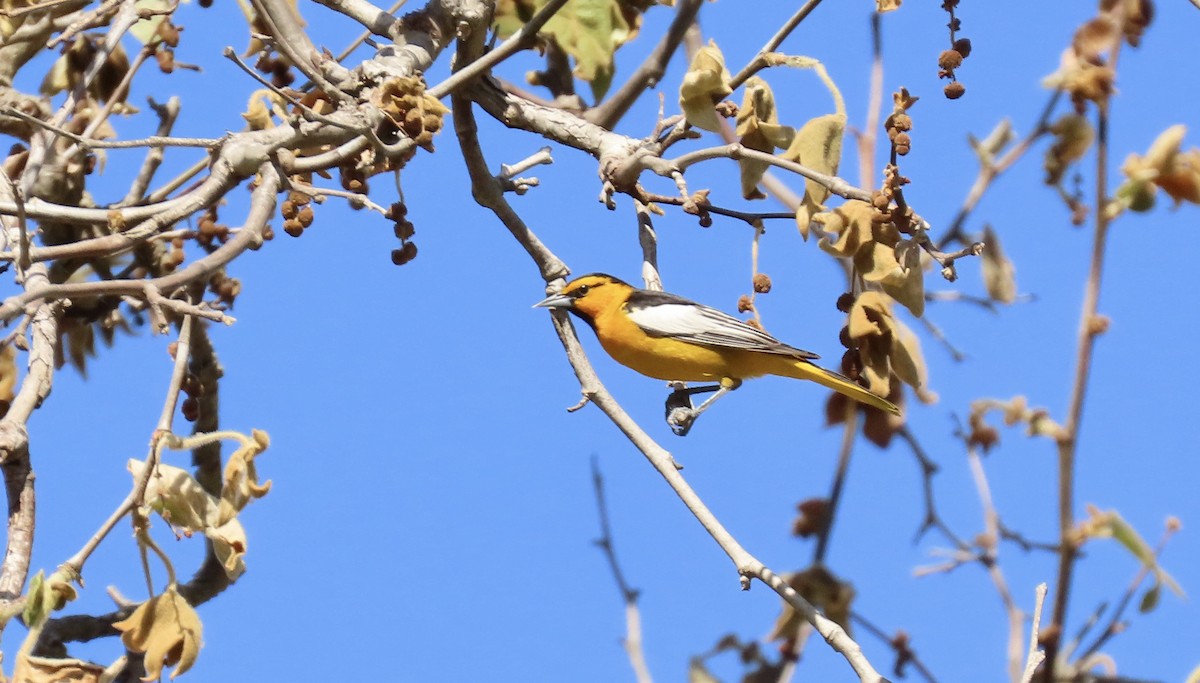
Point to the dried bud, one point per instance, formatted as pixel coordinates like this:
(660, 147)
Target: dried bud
(166, 60)
(288, 209)
(954, 90)
(1098, 325)
(762, 283)
(902, 143)
(293, 227)
(404, 254)
(744, 304)
(305, 216)
(963, 47)
(844, 336)
(845, 301)
(403, 230)
(950, 60)
(190, 409)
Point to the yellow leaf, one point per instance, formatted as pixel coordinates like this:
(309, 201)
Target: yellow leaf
(145, 29)
(998, 271)
(167, 629)
(706, 82)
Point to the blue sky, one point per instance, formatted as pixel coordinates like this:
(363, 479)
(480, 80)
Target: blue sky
(432, 516)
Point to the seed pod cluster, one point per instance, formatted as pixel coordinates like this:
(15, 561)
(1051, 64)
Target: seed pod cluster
(404, 231)
(278, 68)
(297, 213)
(194, 389)
(209, 231)
(952, 59)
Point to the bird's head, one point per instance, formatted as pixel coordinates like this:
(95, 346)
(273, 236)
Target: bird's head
(589, 295)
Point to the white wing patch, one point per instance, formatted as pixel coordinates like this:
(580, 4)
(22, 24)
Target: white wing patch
(708, 326)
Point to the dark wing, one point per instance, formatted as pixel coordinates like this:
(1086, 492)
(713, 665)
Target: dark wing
(666, 315)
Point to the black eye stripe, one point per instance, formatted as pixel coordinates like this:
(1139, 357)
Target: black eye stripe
(582, 290)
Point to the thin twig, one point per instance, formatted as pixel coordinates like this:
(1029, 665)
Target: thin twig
(1035, 657)
(900, 644)
(648, 240)
(362, 37)
(736, 152)
(1083, 366)
(74, 565)
(989, 543)
(633, 617)
(515, 42)
(759, 61)
(647, 75)
(849, 431)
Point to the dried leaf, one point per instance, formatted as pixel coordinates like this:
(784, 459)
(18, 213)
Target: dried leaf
(882, 6)
(1164, 166)
(758, 126)
(698, 673)
(998, 272)
(825, 591)
(175, 495)
(818, 145)
(8, 376)
(906, 358)
(877, 263)
(229, 545)
(706, 82)
(258, 109)
(1073, 136)
(58, 78)
(240, 484)
(167, 629)
(1096, 38)
(848, 227)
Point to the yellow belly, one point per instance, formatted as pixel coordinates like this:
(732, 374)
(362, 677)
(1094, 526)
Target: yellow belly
(671, 359)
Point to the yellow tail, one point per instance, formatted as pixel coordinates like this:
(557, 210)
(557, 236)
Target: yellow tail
(840, 383)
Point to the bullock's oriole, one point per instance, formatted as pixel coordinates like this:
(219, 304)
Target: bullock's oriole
(668, 337)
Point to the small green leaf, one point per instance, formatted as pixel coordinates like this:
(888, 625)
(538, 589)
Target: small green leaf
(1150, 598)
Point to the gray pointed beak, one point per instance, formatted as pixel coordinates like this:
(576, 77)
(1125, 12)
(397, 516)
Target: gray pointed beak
(555, 301)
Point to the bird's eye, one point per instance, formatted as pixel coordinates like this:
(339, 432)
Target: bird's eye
(581, 291)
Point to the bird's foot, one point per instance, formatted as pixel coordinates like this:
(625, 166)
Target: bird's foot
(679, 411)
